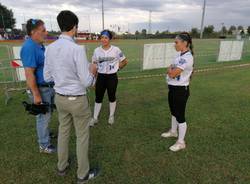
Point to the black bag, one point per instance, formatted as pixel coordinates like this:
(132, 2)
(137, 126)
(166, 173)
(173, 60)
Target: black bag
(36, 109)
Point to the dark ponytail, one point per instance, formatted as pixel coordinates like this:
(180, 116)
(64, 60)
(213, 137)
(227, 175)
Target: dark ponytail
(191, 47)
(185, 36)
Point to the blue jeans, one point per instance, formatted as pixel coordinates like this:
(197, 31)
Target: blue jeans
(42, 120)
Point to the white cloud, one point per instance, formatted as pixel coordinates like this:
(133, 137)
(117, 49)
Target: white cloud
(166, 14)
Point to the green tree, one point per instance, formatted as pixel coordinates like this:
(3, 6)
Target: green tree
(248, 30)
(194, 32)
(224, 30)
(165, 32)
(208, 30)
(144, 32)
(7, 19)
(231, 29)
(240, 28)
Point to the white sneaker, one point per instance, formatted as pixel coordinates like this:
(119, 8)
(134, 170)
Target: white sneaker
(93, 121)
(111, 120)
(177, 146)
(169, 134)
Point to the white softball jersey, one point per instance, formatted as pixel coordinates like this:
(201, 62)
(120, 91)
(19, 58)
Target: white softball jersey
(185, 63)
(108, 60)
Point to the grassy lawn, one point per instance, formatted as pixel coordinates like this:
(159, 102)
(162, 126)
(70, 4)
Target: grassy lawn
(132, 151)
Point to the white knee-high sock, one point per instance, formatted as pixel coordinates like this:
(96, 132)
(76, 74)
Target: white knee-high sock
(97, 110)
(182, 132)
(112, 107)
(174, 125)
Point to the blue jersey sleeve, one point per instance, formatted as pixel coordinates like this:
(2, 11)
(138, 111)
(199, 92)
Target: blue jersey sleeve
(28, 56)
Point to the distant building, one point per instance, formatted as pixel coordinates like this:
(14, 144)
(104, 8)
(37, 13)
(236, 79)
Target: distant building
(86, 36)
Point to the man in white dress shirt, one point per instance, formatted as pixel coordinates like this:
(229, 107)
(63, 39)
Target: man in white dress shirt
(66, 64)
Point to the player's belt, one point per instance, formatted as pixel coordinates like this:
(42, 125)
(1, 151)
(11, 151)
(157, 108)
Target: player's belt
(45, 85)
(178, 87)
(70, 95)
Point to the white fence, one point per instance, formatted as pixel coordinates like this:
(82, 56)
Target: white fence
(230, 50)
(158, 55)
(161, 55)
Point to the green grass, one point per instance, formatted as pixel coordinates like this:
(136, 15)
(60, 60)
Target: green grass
(131, 151)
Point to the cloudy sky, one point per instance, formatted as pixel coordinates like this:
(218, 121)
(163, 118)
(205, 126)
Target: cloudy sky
(134, 14)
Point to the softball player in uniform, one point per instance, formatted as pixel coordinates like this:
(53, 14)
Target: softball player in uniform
(178, 78)
(109, 59)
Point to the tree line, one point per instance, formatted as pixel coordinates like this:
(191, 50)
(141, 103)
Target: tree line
(208, 32)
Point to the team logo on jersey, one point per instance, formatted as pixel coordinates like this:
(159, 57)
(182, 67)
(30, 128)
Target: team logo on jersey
(121, 54)
(182, 61)
(106, 59)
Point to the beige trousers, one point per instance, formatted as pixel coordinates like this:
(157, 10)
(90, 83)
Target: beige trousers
(73, 111)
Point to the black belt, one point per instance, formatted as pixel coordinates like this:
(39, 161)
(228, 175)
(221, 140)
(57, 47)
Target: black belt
(70, 95)
(178, 87)
(45, 85)
(106, 74)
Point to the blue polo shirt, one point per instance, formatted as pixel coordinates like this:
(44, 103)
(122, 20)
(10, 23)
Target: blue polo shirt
(32, 56)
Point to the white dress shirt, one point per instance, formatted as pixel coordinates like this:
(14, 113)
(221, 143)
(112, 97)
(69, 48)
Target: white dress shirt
(66, 64)
(185, 63)
(108, 60)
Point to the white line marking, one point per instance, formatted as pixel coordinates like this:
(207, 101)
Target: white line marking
(195, 71)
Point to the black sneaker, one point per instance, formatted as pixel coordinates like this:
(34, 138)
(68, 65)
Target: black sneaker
(93, 173)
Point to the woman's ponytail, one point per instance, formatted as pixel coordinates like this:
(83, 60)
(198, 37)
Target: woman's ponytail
(186, 37)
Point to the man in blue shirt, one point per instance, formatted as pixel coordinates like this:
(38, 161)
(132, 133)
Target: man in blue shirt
(39, 91)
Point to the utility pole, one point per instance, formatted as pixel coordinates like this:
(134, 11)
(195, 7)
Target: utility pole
(89, 24)
(50, 23)
(24, 19)
(102, 15)
(202, 19)
(149, 22)
(222, 28)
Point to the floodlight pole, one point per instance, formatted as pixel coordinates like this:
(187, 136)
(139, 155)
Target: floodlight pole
(50, 23)
(149, 22)
(202, 19)
(89, 24)
(102, 15)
